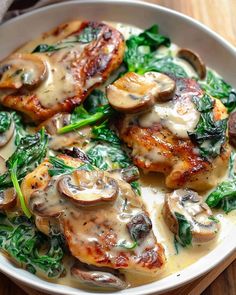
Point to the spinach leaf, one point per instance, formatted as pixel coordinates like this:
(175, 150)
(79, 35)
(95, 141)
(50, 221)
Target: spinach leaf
(23, 242)
(164, 65)
(19, 128)
(104, 133)
(209, 135)
(136, 187)
(30, 152)
(80, 117)
(224, 196)
(184, 235)
(127, 245)
(87, 35)
(140, 56)
(218, 88)
(60, 167)
(5, 121)
(140, 48)
(95, 100)
(108, 157)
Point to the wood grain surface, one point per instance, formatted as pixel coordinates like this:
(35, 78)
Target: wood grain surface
(219, 15)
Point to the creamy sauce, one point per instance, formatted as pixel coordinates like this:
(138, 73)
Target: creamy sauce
(179, 116)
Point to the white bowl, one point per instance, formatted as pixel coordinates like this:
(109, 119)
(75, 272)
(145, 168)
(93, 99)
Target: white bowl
(184, 31)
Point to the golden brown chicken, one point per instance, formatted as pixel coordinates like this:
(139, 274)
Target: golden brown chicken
(58, 72)
(105, 224)
(159, 139)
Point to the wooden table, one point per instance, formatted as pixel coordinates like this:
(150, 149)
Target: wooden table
(220, 16)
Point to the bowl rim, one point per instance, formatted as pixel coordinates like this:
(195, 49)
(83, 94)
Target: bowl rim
(150, 287)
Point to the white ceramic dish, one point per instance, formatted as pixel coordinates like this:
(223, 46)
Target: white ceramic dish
(182, 30)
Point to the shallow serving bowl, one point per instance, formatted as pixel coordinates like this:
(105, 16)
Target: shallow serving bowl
(218, 54)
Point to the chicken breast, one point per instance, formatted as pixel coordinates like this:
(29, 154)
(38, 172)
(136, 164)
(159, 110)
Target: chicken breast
(104, 223)
(60, 69)
(159, 140)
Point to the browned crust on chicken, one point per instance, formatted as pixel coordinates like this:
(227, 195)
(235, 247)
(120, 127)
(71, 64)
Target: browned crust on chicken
(178, 159)
(99, 58)
(101, 225)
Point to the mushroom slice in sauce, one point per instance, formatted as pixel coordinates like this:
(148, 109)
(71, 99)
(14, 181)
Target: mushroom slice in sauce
(3, 167)
(195, 60)
(97, 277)
(86, 188)
(197, 213)
(39, 202)
(61, 141)
(134, 93)
(7, 135)
(7, 198)
(139, 227)
(22, 69)
(128, 174)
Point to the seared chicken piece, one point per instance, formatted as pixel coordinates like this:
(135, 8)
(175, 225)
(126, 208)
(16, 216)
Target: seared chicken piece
(68, 63)
(105, 224)
(159, 140)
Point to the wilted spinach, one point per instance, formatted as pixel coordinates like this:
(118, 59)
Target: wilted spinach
(5, 121)
(104, 133)
(87, 35)
(224, 196)
(24, 243)
(140, 56)
(218, 88)
(184, 236)
(209, 135)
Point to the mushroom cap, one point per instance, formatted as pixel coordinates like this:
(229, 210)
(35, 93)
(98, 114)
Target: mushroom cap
(197, 213)
(134, 93)
(7, 198)
(88, 188)
(22, 69)
(97, 277)
(195, 60)
(232, 129)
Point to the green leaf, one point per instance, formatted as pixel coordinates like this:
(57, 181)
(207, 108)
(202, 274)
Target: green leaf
(140, 48)
(209, 135)
(29, 153)
(16, 185)
(87, 35)
(5, 121)
(59, 167)
(218, 88)
(184, 235)
(127, 245)
(136, 187)
(104, 133)
(95, 100)
(107, 157)
(23, 242)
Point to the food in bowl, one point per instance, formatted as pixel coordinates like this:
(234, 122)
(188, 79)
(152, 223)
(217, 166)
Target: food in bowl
(96, 118)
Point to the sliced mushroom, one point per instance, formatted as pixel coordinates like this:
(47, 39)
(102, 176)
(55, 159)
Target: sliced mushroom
(232, 129)
(76, 153)
(53, 124)
(195, 60)
(3, 167)
(98, 277)
(22, 69)
(134, 93)
(7, 135)
(7, 198)
(139, 227)
(47, 202)
(88, 188)
(197, 213)
(128, 174)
